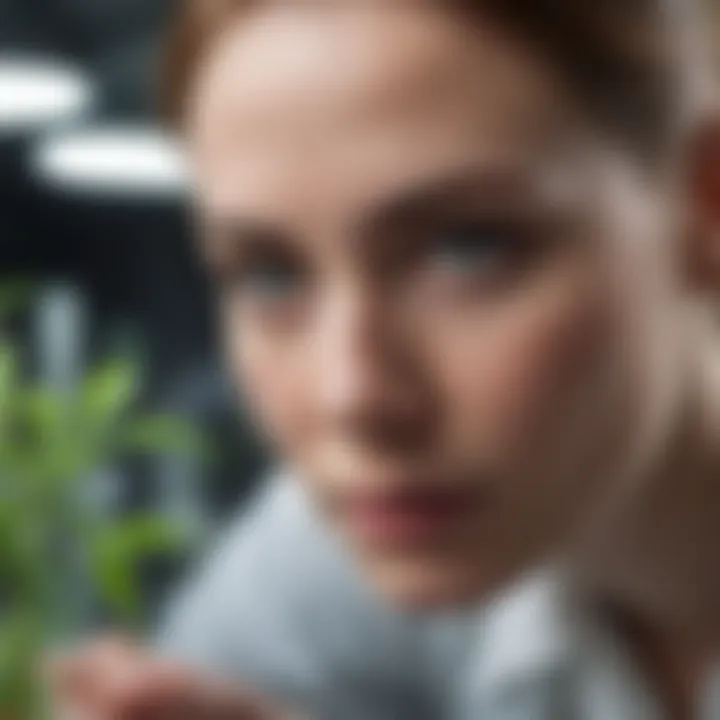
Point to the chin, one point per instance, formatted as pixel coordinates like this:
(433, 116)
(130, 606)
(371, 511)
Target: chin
(427, 587)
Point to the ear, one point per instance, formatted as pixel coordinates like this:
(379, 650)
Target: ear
(703, 192)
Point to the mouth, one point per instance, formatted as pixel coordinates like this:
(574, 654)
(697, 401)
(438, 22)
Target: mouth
(410, 519)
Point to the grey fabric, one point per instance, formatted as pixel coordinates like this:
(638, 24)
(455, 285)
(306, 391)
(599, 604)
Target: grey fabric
(279, 607)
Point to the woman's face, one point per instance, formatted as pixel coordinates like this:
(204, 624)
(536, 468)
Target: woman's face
(445, 297)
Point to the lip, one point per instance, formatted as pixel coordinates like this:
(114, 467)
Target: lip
(409, 519)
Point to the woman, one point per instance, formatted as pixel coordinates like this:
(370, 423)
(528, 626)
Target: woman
(465, 254)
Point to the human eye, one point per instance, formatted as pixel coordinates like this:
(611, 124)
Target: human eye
(477, 249)
(266, 280)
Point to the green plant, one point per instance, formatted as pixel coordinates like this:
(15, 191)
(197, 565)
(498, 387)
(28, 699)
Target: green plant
(52, 539)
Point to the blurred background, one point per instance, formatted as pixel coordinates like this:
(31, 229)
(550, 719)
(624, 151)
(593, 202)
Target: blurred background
(120, 441)
(121, 445)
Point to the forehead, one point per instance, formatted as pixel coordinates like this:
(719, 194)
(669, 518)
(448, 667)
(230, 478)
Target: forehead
(349, 100)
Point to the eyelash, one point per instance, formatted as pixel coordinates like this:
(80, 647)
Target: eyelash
(269, 277)
(481, 238)
(466, 250)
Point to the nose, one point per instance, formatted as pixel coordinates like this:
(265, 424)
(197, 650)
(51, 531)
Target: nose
(370, 375)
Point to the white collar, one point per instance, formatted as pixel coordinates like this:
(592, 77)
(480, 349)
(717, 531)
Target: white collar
(537, 651)
(525, 633)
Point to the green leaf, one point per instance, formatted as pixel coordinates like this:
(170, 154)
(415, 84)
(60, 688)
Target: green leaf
(49, 446)
(116, 552)
(49, 541)
(20, 656)
(108, 392)
(8, 367)
(8, 382)
(153, 434)
(43, 412)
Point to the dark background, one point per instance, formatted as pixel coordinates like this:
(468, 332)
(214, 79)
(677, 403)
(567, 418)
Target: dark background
(116, 272)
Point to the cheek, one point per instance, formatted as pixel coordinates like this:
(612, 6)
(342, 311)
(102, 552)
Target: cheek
(272, 380)
(515, 372)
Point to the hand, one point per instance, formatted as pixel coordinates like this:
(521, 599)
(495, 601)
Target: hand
(116, 680)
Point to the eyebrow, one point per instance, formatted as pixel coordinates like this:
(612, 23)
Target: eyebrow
(495, 190)
(236, 238)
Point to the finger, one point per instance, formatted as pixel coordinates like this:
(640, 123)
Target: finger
(65, 678)
(141, 687)
(85, 658)
(166, 689)
(229, 701)
(120, 684)
(80, 680)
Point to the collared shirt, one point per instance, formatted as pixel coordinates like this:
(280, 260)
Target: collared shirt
(540, 656)
(281, 607)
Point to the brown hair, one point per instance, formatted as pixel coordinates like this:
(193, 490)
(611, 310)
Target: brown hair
(623, 59)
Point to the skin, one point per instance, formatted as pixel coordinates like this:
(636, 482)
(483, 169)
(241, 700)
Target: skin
(443, 286)
(427, 261)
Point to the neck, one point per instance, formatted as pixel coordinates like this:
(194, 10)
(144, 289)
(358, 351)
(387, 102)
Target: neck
(660, 562)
